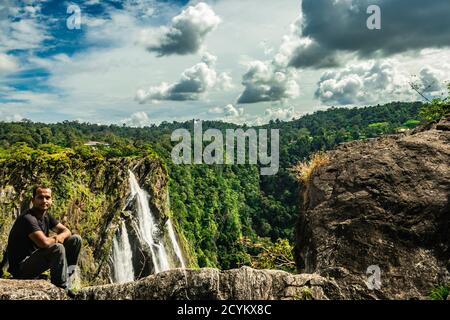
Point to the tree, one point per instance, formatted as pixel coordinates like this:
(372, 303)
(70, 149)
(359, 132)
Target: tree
(436, 108)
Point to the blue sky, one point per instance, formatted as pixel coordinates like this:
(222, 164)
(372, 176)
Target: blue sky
(145, 61)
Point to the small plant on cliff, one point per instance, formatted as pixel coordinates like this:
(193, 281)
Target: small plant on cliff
(278, 255)
(440, 292)
(436, 108)
(304, 170)
(304, 294)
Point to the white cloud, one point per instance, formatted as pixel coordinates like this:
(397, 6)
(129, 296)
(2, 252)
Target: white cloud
(273, 80)
(20, 9)
(281, 114)
(186, 33)
(137, 119)
(301, 51)
(8, 64)
(119, 30)
(194, 82)
(91, 2)
(231, 113)
(364, 82)
(10, 117)
(228, 111)
(430, 80)
(22, 35)
(265, 81)
(289, 43)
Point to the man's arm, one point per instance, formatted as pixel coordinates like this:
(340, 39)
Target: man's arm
(62, 233)
(41, 240)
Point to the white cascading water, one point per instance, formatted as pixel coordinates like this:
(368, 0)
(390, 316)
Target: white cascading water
(173, 241)
(147, 226)
(122, 256)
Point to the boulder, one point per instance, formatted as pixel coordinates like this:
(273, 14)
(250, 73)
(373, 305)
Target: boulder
(377, 216)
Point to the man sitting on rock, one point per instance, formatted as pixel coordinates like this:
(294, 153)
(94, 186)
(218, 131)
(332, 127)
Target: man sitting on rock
(30, 249)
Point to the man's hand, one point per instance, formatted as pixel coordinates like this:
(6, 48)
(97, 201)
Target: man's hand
(62, 233)
(59, 238)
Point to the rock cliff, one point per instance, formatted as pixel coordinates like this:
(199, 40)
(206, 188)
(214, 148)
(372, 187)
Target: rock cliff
(381, 203)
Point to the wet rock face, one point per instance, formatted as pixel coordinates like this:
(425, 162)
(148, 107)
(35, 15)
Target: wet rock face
(29, 290)
(237, 284)
(382, 202)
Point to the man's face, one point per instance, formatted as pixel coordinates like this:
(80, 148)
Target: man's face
(43, 199)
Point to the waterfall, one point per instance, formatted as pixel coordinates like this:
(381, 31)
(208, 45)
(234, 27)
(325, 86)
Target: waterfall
(147, 226)
(175, 246)
(122, 257)
(150, 234)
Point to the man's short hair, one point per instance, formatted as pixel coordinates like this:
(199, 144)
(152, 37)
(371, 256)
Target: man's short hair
(42, 186)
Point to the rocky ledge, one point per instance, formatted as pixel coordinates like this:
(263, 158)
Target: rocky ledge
(212, 284)
(189, 284)
(29, 290)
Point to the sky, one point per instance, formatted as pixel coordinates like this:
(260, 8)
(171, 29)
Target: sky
(141, 62)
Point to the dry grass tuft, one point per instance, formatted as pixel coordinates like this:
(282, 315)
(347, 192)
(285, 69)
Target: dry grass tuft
(303, 170)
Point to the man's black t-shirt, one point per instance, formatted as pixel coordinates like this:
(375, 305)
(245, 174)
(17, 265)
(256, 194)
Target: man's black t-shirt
(20, 245)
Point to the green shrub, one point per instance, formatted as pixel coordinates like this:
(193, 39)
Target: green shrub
(440, 292)
(436, 109)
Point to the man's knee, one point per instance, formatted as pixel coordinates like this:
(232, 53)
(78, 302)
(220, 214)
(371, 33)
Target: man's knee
(75, 239)
(57, 249)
